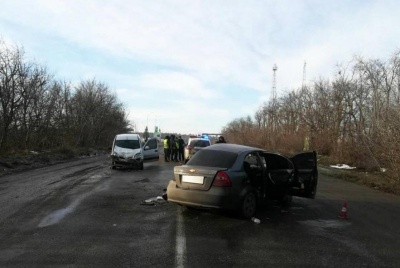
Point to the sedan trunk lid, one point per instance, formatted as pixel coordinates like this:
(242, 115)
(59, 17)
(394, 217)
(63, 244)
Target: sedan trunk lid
(195, 177)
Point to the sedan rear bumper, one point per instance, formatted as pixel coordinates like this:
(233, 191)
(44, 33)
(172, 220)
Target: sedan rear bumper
(215, 197)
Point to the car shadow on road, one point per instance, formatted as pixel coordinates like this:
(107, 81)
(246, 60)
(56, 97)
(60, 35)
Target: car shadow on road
(269, 212)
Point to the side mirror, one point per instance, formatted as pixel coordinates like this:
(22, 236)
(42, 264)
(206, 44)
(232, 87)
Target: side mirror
(147, 147)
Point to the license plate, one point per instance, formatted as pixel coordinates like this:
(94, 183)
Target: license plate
(193, 179)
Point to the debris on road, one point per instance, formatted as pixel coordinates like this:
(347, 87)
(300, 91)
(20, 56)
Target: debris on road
(154, 201)
(164, 195)
(342, 166)
(255, 220)
(343, 212)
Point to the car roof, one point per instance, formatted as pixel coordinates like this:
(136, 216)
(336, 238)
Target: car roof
(198, 139)
(233, 148)
(128, 136)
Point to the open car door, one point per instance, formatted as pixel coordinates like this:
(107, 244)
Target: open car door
(306, 174)
(279, 177)
(150, 150)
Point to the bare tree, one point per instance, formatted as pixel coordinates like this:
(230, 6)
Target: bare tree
(353, 118)
(39, 112)
(11, 89)
(94, 112)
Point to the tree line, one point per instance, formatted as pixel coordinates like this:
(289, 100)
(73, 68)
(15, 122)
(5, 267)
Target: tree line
(352, 119)
(39, 112)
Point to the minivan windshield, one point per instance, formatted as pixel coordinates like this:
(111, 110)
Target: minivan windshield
(212, 158)
(128, 144)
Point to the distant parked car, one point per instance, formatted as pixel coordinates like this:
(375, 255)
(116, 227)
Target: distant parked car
(237, 177)
(128, 150)
(194, 145)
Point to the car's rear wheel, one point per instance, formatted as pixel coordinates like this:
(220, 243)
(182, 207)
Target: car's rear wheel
(249, 205)
(286, 200)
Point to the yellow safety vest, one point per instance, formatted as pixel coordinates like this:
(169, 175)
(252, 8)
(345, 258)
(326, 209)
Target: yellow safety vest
(166, 144)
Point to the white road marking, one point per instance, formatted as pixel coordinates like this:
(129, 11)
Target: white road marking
(180, 243)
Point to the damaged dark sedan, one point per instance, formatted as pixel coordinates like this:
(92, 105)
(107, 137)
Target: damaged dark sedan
(237, 177)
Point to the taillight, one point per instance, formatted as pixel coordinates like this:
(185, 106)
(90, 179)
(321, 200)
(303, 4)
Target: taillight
(222, 179)
(188, 147)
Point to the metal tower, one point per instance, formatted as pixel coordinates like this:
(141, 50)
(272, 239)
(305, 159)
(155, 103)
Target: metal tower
(274, 69)
(304, 75)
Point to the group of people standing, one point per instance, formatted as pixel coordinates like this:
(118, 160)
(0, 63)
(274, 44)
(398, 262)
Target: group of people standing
(174, 149)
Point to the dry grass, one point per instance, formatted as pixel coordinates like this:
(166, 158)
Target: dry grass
(376, 180)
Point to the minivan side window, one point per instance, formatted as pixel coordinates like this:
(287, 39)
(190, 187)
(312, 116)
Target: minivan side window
(152, 144)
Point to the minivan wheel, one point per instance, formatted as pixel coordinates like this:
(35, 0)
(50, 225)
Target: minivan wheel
(141, 166)
(112, 165)
(249, 205)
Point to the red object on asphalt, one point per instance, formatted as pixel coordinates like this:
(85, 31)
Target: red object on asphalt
(343, 213)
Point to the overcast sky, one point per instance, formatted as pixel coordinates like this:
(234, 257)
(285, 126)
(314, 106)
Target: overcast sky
(194, 66)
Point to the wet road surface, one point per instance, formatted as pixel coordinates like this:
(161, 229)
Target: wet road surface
(83, 214)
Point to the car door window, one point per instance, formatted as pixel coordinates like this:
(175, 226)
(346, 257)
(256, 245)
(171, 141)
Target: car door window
(152, 144)
(279, 168)
(253, 167)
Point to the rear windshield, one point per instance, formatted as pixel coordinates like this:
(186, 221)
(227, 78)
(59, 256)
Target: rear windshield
(199, 143)
(128, 144)
(211, 158)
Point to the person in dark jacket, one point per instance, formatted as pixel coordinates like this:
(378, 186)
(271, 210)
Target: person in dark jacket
(172, 147)
(181, 149)
(221, 139)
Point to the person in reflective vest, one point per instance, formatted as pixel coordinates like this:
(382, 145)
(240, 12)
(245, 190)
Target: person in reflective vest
(166, 149)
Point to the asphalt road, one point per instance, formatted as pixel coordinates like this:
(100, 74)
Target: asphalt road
(83, 214)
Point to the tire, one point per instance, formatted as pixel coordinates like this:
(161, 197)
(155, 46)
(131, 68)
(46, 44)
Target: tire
(141, 166)
(286, 200)
(112, 165)
(248, 206)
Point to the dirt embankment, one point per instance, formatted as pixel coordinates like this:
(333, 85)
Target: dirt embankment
(30, 160)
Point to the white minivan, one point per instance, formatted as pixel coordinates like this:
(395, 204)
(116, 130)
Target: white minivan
(128, 150)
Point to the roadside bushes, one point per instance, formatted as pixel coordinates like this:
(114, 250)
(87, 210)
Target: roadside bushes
(352, 118)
